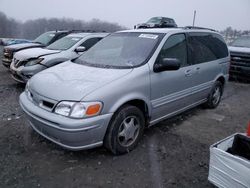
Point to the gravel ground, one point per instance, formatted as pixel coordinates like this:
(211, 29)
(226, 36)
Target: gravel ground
(173, 153)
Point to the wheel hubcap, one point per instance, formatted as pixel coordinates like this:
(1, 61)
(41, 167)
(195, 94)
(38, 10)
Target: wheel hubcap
(216, 95)
(128, 131)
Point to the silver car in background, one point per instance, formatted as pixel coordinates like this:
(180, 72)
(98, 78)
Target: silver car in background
(27, 63)
(128, 81)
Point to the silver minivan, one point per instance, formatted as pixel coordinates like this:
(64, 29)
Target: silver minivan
(128, 81)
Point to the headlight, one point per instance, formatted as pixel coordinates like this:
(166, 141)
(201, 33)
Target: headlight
(27, 91)
(33, 62)
(27, 86)
(78, 109)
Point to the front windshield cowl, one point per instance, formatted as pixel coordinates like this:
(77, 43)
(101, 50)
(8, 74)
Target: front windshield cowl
(37, 42)
(121, 50)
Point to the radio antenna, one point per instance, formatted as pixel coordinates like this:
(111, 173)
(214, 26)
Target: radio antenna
(194, 18)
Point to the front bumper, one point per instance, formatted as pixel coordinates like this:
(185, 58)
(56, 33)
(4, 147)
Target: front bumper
(240, 72)
(72, 134)
(22, 74)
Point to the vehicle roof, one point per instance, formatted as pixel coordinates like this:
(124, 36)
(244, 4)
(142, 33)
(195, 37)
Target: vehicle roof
(58, 31)
(85, 34)
(167, 30)
(161, 17)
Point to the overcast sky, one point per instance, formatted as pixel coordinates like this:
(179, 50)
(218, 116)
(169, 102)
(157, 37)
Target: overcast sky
(217, 14)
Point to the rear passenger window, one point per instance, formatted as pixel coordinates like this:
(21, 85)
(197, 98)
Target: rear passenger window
(175, 47)
(219, 46)
(90, 42)
(205, 47)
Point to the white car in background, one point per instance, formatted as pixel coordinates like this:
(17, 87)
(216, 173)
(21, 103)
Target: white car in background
(27, 63)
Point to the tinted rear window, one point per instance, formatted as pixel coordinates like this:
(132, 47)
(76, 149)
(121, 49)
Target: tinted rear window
(205, 47)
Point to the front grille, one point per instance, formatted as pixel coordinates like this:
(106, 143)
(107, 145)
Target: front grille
(240, 60)
(240, 66)
(7, 53)
(41, 101)
(48, 104)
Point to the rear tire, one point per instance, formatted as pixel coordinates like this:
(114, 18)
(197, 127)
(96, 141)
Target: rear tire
(125, 130)
(215, 95)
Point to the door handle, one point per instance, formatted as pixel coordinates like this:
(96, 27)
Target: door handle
(188, 72)
(198, 70)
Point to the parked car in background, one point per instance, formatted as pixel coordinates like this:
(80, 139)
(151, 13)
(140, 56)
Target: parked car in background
(43, 40)
(27, 63)
(240, 59)
(128, 81)
(3, 41)
(8, 41)
(157, 22)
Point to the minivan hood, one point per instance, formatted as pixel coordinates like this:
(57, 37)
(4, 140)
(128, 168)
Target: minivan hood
(71, 81)
(34, 53)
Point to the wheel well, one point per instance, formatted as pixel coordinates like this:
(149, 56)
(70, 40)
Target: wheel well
(142, 105)
(222, 80)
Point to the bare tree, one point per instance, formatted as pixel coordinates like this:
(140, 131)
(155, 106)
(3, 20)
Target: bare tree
(32, 28)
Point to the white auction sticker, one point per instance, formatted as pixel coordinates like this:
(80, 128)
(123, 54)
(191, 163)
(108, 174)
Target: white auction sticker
(148, 36)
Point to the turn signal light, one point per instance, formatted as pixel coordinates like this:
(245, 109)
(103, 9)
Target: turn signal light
(93, 109)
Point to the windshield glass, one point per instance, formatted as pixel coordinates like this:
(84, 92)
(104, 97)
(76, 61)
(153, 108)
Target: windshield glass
(155, 20)
(44, 38)
(241, 42)
(64, 43)
(121, 50)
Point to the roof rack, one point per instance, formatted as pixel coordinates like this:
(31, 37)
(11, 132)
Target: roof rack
(194, 27)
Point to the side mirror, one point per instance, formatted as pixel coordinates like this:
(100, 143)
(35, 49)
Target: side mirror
(80, 49)
(167, 64)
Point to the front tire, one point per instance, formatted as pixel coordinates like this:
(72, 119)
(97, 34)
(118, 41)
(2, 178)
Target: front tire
(215, 95)
(125, 130)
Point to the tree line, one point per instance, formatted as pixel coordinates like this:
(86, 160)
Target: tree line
(11, 28)
(230, 34)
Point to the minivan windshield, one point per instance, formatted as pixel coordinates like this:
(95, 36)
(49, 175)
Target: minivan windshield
(121, 50)
(64, 43)
(44, 38)
(242, 42)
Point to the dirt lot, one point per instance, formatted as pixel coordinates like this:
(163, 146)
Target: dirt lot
(174, 153)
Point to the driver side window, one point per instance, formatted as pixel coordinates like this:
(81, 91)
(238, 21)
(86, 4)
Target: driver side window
(175, 47)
